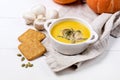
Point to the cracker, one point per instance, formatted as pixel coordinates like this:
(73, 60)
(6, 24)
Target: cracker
(31, 35)
(32, 49)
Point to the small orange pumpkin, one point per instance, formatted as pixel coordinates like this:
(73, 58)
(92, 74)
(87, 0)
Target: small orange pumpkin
(64, 1)
(104, 6)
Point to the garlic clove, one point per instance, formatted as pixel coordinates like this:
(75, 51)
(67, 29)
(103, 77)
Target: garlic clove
(39, 24)
(52, 14)
(29, 17)
(38, 10)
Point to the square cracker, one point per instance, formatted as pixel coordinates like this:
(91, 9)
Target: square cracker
(31, 35)
(32, 49)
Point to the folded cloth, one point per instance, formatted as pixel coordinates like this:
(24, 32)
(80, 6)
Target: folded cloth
(104, 25)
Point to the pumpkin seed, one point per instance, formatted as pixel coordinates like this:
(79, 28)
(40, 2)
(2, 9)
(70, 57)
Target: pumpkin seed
(19, 55)
(23, 65)
(30, 65)
(22, 59)
(26, 66)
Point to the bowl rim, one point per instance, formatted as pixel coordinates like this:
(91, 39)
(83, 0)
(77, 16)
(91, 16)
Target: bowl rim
(70, 18)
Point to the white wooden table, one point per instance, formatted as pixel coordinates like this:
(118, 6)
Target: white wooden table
(105, 67)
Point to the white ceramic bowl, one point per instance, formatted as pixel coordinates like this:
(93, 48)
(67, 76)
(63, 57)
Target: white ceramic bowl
(70, 49)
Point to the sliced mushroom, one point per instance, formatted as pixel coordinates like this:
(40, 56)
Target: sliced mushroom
(77, 35)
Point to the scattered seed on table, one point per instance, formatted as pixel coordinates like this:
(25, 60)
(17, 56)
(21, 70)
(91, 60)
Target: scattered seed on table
(19, 55)
(22, 59)
(28, 63)
(31, 65)
(23, 65)
(26, 66)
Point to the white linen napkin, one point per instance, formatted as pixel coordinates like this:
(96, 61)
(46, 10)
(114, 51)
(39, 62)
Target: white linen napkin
(104, 25)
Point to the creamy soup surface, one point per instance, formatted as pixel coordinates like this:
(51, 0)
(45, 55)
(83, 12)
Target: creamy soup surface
(70, 32)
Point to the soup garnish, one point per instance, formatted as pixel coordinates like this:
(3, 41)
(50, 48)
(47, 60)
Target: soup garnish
(73, 35)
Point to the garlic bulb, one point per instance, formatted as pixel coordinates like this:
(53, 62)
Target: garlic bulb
(29, 17)
(39, 22)
(38, 10)
(52, 14)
